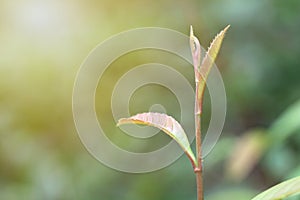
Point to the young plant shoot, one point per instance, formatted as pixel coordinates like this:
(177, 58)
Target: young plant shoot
(172, 128)
(169, 125)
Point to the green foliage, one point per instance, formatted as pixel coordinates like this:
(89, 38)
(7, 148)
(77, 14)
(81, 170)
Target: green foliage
(281, 191)
(286, 125)
(258, 143)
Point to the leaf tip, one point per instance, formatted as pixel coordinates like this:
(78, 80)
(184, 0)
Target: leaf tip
(121, 121)
(195, 48)
(191, 31)
(118, 123)
(227, 27)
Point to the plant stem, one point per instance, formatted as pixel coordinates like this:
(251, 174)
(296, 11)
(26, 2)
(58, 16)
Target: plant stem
(198, 169)
(196, 52)
(199, 185)
(201, 74)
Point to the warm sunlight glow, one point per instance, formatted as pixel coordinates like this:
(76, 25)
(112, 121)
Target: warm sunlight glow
(41, 17)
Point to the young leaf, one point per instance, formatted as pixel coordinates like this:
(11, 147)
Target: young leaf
(281, 191)
(209, 60)
(202, 72)
(212, 53)
(165, 123)
(195, 49)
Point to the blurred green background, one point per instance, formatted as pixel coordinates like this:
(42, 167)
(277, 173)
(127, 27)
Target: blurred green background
(42, 46)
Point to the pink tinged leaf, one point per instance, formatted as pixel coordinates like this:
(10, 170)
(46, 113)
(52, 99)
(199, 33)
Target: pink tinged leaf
(207, 64)
(212, 53)
(195, 49)
(165, 123)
